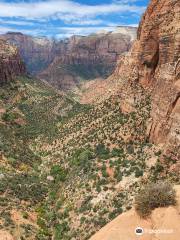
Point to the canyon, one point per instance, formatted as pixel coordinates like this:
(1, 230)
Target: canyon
(153, 64)
(66, 63)
(71, 168)
(87, 58)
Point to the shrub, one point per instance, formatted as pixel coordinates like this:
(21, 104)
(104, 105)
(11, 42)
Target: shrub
(82, 157)
(9, 116)
(101, 150)
(25, 215)
(116, 152)
(138, 173)
(104, 173)
(154, 195)
(158, 153)
(118, 175)
(61, 230)
(86, 205)
(130, 149)
(24, 187)
(59, 173)
(82, 220)
(115, 213)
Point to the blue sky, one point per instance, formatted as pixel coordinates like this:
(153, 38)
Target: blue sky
(64, 18)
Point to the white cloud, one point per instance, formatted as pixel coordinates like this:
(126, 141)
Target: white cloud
(18, 23)
(34, 32)
(83, 31)
(6, 29)
(132, 25)
(36, 16)
(82, 21)
(44, 9)
(125, 1)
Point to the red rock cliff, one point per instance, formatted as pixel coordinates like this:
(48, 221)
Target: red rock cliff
(87, 57)
(154, 63)
(10, 63)
(37, 53)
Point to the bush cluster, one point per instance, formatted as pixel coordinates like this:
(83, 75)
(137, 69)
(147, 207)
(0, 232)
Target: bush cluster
(154, 195)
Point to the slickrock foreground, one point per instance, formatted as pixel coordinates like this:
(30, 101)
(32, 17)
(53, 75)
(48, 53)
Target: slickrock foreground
(4, 235)
(123, 227)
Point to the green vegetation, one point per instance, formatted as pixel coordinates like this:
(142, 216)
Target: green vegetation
(102, 151)
(82, 157)
(65, 161)
(59, 173)
(154, 195)
(87, 72)
(24, 187)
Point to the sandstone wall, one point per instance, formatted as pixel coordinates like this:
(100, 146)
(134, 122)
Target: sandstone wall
(84, 58)
(64, 63)
(11, 64)
(37, 53)
(154, 62)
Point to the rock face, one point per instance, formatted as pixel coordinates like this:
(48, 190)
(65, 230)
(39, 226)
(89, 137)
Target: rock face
(84, 58)
(65, 63)
(37, 53)
(154, 63)
(10, 63)
(159, 67)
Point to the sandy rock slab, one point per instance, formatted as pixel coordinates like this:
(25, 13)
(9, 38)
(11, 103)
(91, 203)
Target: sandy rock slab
(123, 228)
(163, 224)
(4, 235)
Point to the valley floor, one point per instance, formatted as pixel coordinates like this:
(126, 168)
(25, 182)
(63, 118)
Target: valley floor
(67, 169)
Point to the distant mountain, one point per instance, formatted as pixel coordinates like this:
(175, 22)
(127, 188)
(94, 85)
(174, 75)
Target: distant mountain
(85, 58)
(37, 53)
(66, 63)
